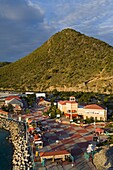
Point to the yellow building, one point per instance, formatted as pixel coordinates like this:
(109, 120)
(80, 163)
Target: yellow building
(93, 110)
(71, 109)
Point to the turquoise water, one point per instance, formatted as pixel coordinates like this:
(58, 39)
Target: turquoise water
(6, 151)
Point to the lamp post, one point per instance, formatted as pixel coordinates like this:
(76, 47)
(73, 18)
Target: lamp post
(94, 124)
(26, 133)
(26, 130)
(71, 117)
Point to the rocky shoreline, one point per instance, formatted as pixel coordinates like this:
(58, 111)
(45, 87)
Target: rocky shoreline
(103, 159)
(21, 157)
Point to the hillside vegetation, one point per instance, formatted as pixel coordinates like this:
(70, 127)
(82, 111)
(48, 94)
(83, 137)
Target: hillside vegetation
(4, 63)
(68, 61)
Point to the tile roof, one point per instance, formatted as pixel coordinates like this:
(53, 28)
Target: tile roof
(12, 97)
(3, 112)
(63, 102)
(62, 152)
(36, 136)
(71, 102)
(94, 106)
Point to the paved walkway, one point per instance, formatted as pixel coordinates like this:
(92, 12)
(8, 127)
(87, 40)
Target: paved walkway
(74, 139)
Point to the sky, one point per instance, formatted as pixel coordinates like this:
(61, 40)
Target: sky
(27, 24)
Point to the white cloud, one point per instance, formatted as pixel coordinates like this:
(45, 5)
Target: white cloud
(22, 29)
(26, 24)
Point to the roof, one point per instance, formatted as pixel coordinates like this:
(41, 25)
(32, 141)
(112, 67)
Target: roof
(15, 101)
(31, 129)
(94, 106)
(36, 136)
(99, 130)
(29, 120)
(12, 97)
(63, 102)
(63, 152)
(3, 112)
(71, 102)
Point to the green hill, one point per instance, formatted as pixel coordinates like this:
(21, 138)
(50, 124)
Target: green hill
(68, 61)
(4, 63)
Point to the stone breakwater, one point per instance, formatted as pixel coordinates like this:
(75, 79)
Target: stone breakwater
(21, 157)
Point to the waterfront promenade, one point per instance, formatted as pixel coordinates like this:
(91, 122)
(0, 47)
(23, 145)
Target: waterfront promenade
(65, 136)
(57, 136)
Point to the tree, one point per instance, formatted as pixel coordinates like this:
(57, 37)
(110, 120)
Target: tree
(53, 111)
(27, 111)
(8, 108)
(4, 108)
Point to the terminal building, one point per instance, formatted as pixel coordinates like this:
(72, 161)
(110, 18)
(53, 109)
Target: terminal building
(72, 109)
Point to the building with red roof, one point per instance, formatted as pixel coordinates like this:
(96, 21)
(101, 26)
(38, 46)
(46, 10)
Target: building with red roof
(12, 97)
(94, 106)
(4, 114)
(71, 109)
(94, 110)
(14, 101)
(43, 102)
(63, 154)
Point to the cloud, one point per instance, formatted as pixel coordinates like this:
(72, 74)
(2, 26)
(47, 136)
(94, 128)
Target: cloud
(93, 18)
(26, 24)
(22, 29)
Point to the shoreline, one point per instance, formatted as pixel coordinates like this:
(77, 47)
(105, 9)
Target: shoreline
(6, 150)
(21, 157)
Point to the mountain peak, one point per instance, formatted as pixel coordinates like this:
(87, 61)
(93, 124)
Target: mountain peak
(68, 61)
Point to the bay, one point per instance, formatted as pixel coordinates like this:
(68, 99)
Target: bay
(6, 151)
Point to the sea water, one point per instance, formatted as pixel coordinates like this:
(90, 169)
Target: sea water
(6, 151)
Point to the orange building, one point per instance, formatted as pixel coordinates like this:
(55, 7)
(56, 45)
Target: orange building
(4, 114)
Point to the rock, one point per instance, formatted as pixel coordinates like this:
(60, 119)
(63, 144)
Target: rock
(103, 159)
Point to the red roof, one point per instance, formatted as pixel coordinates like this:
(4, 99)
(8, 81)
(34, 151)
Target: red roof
(94, 106)
(30, 120)
(36, 136)
(12, 97)
(31, 129)
(63, 102)
(63, 152)
(99, 130)
(71, 102)
(3, 112)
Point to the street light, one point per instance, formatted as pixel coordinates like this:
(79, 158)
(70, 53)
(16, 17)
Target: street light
(71, 117)
(26, 133)
(26, 130)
